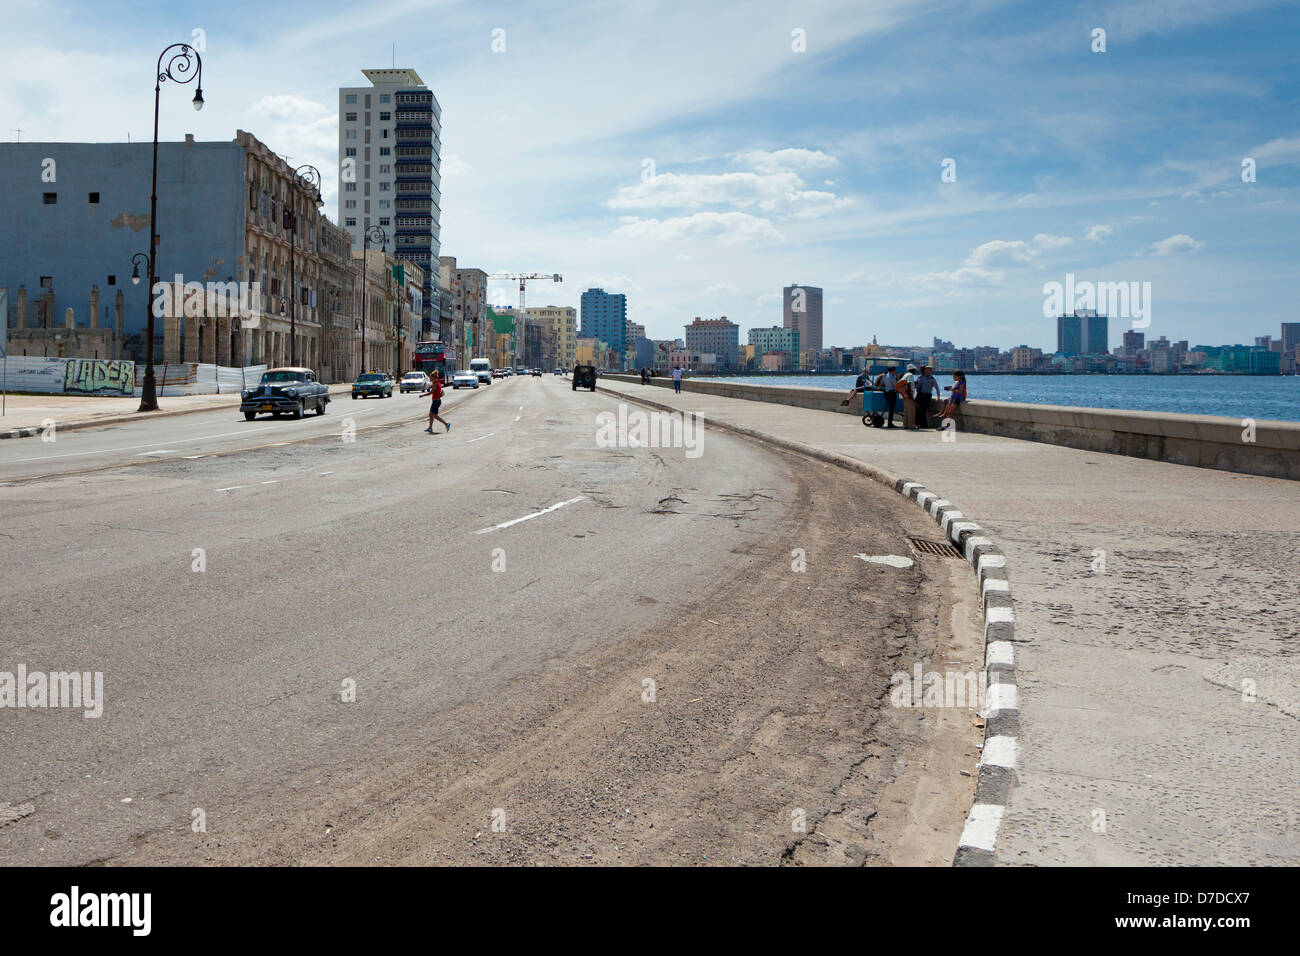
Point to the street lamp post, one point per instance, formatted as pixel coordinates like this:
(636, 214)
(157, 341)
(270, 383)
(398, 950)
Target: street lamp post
(183, 66)
(306, 178)
(375, 234)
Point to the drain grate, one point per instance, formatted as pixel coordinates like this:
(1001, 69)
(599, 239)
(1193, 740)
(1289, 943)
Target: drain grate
(942, 549)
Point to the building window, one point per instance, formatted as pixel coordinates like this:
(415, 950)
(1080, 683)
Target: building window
(51, 198)
(385, 98)
(112, 280)
(350, 151)
(350, 98)
(350, 204)
(350, 187)
(384, 187)
(385, 169)
(47, 282)
(384, 204)
(383, 220)
(350, 134)
(384, 150)
(350, 117)
(385, 117)
(351, 220)
(94, 198)
(385, 136)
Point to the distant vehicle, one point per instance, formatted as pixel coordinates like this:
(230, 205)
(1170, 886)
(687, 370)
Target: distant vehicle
(537, 373)
(465, 380)
(584, 376)
(498, 373)
(559, 371)
(377, 384)
(285, 391)
(414, 382)
(482, 368)
(520, 370)
(435, 358)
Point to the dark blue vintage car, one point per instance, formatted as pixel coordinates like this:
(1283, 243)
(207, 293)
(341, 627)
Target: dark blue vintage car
(285, 391)
(373, 383)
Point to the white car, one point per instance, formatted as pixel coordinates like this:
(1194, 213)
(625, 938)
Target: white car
(414, 382)
(465, 380)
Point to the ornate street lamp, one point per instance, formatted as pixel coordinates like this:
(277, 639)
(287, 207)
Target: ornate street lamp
(185, 65)
(375, 235)
(306, 178)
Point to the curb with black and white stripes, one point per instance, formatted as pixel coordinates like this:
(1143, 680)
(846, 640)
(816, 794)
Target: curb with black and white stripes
(997, 765)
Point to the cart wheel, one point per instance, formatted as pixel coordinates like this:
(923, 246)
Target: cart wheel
(877, 420)
(866, 420)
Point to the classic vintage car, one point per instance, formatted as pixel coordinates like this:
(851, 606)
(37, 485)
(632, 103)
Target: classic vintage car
(584, 376)
(285, 391)
(372, 383)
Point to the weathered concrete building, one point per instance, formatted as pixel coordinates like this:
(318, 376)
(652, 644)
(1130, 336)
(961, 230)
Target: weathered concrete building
(76, 214)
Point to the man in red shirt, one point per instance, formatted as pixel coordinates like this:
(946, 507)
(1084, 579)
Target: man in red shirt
(435, 393)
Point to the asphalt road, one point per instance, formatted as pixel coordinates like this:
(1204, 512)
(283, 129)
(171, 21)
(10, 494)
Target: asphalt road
(414, 648)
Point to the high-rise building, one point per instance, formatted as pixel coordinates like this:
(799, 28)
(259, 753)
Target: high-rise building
(717, 337)
(390, 142)
(802, 311)
(1134, 342)
(604, 317)
(1290, 336)
(1083, 333)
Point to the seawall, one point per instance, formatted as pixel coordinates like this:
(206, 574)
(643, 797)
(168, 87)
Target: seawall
(1264, 448)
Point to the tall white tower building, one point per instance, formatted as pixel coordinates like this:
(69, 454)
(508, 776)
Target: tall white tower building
(390, 145)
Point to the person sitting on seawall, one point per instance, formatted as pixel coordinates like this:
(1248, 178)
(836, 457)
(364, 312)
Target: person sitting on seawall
(863, 384)
(955, 400)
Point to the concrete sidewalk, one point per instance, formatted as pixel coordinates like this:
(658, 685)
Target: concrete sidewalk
(25, 415)
(1158, 653)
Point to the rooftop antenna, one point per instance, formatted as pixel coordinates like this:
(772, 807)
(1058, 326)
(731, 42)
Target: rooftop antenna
(19, 132)
(394, 56)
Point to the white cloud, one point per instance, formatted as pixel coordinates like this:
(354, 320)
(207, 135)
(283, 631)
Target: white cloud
(1048, 241)
(722, 226)
(720, 287)
(1175, 244)
(453, 165)
(1000, 252)
(1098, 232)
(785, 160)
(779, 193)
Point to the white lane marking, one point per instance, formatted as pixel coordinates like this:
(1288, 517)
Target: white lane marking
(324, 473)
(535, 514)
(160, 451)
(480, 438)
(232, 488)
(517, 417)
(193, 457)
(893, 560)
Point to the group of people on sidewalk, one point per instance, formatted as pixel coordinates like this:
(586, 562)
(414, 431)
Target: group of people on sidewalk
(916, 389)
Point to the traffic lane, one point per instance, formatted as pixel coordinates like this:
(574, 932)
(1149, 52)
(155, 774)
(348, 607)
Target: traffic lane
(224, 686)
(217, 432)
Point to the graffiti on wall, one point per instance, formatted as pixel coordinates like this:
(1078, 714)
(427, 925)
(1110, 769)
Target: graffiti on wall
(99, 377)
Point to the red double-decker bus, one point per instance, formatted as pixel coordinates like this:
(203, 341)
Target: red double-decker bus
(435, 358)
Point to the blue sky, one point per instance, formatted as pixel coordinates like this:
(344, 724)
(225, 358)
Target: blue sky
(773, 166)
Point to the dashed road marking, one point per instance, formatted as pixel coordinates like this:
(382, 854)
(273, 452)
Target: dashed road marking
(535, 514)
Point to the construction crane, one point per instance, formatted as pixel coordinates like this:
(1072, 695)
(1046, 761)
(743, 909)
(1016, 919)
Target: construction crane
(523, 278)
